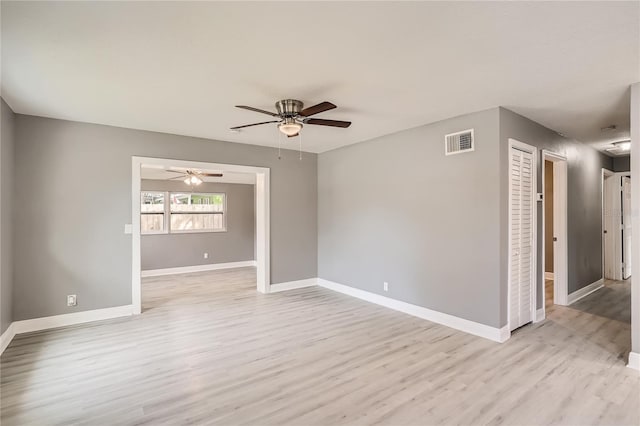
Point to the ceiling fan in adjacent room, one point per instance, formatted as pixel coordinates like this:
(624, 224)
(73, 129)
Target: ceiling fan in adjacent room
(193, 177)
(291, 116)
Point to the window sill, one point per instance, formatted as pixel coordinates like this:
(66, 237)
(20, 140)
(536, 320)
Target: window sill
(154, 233)
(198, 231)
(187, 231)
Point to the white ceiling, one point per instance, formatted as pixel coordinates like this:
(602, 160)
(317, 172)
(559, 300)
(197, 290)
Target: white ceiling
(160, 173)
(181, 67)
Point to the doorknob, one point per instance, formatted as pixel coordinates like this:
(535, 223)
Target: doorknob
(555, 239)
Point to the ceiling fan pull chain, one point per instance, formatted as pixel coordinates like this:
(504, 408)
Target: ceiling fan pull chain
(300, 144)
(279, 143)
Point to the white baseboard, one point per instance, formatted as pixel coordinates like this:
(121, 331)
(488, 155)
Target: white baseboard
(471, 327)
(7, 337)
(291, 285)
(548, 275)
(36, 324)
(585, 291)
(504, 333)
(634, 360)
(44, 323)
(539, 315)
(196, 268)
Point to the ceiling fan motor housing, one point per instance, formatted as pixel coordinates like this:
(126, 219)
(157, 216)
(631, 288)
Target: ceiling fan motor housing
(289, 107)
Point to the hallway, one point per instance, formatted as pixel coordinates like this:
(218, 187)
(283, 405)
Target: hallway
(603, 317)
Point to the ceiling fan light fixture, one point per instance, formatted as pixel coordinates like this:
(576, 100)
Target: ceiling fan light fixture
(193, 180)
(292, 116)
(290, 128)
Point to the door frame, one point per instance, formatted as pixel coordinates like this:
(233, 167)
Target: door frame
(513, 143)
(560, 215)
(262, 200)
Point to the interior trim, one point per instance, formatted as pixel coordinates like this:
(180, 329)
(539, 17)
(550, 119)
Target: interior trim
(292, 285)
(499, 335)
(55, 321)
(7, 337)
(634, 360)
(585, 291)
(196, 268)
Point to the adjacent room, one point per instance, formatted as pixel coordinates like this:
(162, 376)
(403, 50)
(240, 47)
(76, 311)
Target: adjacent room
(193, 222)
(319, 213)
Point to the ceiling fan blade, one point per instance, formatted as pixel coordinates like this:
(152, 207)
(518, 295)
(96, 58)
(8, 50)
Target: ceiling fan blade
(211, 174)
(316, 109)
(254, 124)
(273, 114)
(178, 177)
(332, 123)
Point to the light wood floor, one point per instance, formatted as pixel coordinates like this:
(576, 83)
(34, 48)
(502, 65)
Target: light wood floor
(210, 350)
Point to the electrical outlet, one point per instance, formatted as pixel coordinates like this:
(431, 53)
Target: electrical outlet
(206, 255)
(72, 300)
(385, 286)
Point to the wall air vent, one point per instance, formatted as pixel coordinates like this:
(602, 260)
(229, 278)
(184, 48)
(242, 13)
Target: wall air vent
(459, 142)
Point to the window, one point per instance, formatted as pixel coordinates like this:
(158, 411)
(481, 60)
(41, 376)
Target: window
(176, 212)
(152, 211)
(197, 212)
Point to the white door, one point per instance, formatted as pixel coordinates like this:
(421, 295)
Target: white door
(521, 275)
(609, 225)
(626, 227)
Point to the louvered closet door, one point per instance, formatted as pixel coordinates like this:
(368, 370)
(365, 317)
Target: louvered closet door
(522, 204)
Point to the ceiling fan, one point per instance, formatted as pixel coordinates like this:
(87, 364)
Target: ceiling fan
(291, 115)
(193, 177)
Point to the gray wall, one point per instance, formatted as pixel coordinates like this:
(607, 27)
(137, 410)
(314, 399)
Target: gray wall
(584, 171)
(622, 164)
(392, 209)
(397, 209)
(6, 234)
(187, 249)
(73, 183)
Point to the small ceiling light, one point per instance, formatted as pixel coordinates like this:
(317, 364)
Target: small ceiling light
(620, 147)
(290, 127)
(623, 145)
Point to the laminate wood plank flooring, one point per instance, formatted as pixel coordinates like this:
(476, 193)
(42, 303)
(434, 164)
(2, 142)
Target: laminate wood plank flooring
(209, 349)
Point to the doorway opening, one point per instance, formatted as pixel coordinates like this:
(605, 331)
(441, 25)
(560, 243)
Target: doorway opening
(616, 225)
(554, 232)
(548, 234)
(183, 199)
